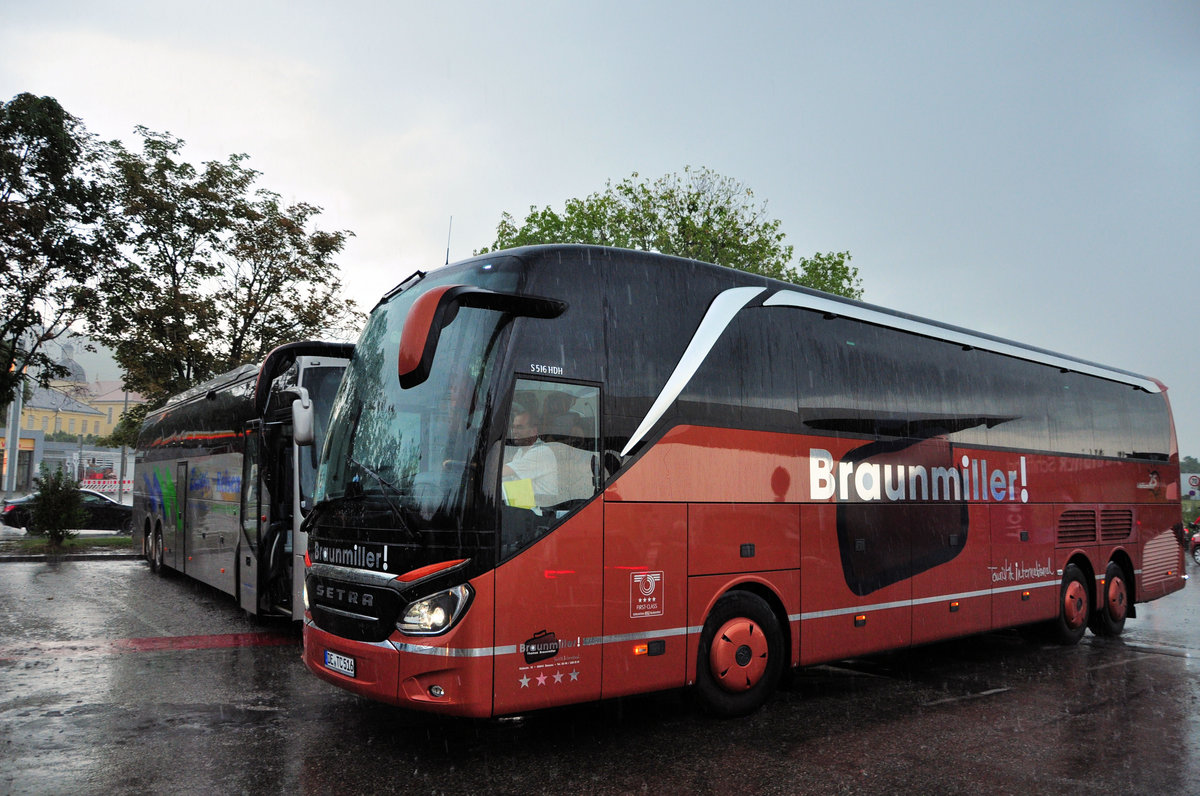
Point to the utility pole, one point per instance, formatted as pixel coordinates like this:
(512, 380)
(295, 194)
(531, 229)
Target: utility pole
(12, 443)
(121, 475)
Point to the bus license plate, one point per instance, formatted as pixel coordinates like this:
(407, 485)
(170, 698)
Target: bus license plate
(339, 663)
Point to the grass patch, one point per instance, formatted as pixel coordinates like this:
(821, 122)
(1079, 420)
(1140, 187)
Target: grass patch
(37, 545)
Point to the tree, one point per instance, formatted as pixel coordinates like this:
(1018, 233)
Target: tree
(56, 234)
(56, 511)
(214, 275)
(701, 215)
(280, 283)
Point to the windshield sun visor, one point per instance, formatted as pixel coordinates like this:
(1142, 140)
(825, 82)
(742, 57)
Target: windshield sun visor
(436, 309)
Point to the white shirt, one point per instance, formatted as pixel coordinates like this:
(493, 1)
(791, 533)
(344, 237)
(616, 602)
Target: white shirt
(535, 462)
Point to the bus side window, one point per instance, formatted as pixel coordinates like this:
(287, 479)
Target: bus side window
(551, 461)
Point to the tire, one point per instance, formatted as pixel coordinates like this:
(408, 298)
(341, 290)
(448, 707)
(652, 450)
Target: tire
(148, 547)
(1074, 607)
(1196, 553)
(1109, 619)
(157, 563)
(740, 657)
(126, 528)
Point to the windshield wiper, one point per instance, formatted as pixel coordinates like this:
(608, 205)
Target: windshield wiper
(397, 509)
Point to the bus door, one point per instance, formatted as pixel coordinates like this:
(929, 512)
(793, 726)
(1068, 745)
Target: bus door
(251, 511)
(177, 558)
(548, 589)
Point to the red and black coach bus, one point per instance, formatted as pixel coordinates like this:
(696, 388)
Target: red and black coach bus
(566, 473)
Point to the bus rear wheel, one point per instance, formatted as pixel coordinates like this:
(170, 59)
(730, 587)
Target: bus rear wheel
(741, 655)
(1074, 607)
(157, 563)
(1109, 620)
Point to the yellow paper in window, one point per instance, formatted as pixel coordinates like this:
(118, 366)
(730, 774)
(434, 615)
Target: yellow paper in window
(519, 493)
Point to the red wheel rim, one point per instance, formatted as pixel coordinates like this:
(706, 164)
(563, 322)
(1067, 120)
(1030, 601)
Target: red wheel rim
(738, 656)
(1117, 598)
(1075, 604)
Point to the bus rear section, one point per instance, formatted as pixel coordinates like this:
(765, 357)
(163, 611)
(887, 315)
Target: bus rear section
(563, 474)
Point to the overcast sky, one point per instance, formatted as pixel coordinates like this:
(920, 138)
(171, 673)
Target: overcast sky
(1030, 170)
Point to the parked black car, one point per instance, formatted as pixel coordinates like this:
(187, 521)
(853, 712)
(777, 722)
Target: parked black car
(103, 513)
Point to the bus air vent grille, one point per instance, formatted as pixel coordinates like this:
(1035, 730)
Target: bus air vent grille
(352, 610)
(1115, 524)
(1077, 526)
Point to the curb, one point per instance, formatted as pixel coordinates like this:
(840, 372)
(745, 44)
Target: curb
(20, 558)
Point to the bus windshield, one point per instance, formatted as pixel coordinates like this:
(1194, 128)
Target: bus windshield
(416, 451)
(322, 384)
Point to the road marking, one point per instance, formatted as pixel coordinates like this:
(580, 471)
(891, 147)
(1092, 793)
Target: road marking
(87, 647)
(1158, 649)
(965, 697)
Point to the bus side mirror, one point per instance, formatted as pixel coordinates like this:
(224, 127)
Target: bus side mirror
(303, 418)
(435, 310)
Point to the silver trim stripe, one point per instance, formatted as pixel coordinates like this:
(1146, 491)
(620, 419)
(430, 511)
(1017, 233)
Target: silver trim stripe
(453, 652)
(513, 649)
(920, 601)
(622, 638)
(724, 307)
(790, 298)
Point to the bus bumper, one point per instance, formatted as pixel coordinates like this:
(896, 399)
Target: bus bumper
(392, 672)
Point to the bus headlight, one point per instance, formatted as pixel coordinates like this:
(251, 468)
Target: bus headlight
(436, 613)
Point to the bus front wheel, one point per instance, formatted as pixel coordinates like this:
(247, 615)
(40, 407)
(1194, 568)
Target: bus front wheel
(741, 655)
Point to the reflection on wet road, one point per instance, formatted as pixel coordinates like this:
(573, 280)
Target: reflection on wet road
(117, 681)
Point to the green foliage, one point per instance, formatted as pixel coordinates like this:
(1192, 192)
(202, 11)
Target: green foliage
(280, 282)
(215, 274)
(56, 511)
(699, 214)
(830, 272)
(125, 432)
(56, 232)
(1189, 464)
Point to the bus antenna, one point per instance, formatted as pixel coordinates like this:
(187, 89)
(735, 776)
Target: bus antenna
(448, 231)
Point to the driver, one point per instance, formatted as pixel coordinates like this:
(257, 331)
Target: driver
(527, 457)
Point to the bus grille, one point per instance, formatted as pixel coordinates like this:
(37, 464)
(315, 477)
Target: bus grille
(353, 610)
(1077, 526)
(1115, 525)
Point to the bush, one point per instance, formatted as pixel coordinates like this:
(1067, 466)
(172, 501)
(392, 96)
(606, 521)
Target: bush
(57, 508)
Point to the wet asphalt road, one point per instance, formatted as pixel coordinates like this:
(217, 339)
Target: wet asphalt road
(94, 700)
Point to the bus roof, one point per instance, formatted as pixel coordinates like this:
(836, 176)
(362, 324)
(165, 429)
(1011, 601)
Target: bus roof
(787, 294)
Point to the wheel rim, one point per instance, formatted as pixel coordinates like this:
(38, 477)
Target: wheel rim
(738, 656)
(1117, 598)
(1075, 604)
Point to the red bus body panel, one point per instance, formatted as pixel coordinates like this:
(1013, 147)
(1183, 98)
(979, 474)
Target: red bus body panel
(612, 602)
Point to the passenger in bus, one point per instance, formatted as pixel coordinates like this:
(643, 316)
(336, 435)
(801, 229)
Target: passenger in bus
(527, 458)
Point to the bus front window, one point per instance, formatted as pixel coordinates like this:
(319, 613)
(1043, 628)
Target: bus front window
(322, 384)
(551, 462)
(413, 454)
